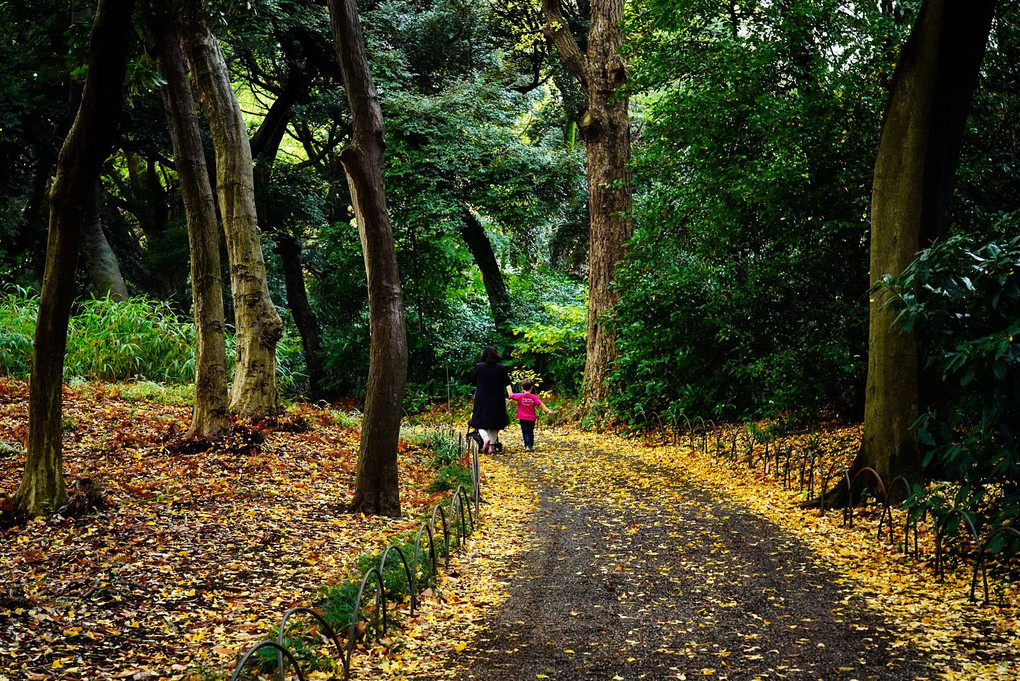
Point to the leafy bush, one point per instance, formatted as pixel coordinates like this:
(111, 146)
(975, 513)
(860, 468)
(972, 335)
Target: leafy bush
(554, 347)
(18, 313)
(962, 298)
(137, 339)
(106, 340)
(551, 327)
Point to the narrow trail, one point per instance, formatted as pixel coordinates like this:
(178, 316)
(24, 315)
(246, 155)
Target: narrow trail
(638, 575)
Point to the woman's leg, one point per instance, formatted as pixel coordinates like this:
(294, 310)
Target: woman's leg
(485, 439)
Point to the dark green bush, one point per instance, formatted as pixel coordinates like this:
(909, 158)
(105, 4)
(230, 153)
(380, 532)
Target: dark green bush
(962, 299)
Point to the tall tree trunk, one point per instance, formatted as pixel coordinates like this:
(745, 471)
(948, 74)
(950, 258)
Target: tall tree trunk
(259, 328)
(100, 260)
(473, 233)
(377, 488)
(209, 412)
(910, 207)
(605, 127)
(78, 166)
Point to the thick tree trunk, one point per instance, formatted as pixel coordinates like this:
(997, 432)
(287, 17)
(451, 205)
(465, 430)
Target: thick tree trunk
(473, 233)
(209, 413)
(259, 328)
(100, 260)
(606, 130)
(910, 206)
(78, 167)
(377, 488)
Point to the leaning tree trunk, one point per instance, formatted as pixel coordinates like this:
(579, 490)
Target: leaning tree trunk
(910, 207)
(209, 413)
(473, 233)
(100, 260)
(259, 327)
(605, 127)
(288, 247)
(78, 166)
(377, 488)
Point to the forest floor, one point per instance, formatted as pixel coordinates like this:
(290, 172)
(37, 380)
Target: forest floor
(597, 557)
(198, 554)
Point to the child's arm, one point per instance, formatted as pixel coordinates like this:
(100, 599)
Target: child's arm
(542, 404)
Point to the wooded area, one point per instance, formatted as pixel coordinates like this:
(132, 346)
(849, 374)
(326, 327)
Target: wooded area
(794, 210)
(243, 245)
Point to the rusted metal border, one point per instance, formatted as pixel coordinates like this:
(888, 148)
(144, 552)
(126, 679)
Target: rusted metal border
(281, 651)
(982, 552)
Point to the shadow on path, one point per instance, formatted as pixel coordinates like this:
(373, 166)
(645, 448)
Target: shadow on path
(639, 576)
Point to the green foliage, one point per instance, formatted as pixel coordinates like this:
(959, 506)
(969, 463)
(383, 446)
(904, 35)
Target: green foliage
(148, 391)
(134, 340)
(18, 314)
(106, 340)
(443, 446)
(449, 478)
(962, 298)
(554, 346)
(745, 289)
(550, 333)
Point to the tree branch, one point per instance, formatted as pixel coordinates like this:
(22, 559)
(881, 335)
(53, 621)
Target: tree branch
(558, 33)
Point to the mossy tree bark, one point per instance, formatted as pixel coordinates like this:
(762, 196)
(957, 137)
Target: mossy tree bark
(605, 127)
(210, 416)
(259, 327)
(910, 207)
(377, 488)
(81, 157)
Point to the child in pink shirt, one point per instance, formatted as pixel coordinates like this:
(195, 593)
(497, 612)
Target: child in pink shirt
(527, 412)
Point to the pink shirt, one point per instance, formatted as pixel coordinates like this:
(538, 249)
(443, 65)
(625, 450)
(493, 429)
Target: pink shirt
(526, 405)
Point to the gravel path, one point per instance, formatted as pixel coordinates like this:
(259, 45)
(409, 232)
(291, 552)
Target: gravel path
(639, 576)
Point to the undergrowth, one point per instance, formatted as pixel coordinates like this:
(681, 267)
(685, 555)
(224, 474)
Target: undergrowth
(134, 340)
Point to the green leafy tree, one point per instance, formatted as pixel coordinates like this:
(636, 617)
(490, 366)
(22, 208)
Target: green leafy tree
(746, 288)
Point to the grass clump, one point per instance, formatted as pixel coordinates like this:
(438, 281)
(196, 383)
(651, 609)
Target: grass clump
(106, 340)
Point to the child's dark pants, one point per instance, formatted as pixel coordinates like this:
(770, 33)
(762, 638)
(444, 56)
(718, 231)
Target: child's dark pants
(528, 431)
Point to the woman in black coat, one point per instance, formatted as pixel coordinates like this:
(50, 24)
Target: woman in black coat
(492, 381)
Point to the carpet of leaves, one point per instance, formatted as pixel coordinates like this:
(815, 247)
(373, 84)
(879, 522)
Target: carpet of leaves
(428, 645)
(961, 638)
(198, 553)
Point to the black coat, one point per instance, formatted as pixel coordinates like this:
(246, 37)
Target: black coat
(489, 411)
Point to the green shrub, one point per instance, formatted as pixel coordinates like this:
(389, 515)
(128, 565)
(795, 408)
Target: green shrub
(962, 299)
(136, 339)
(18, 312)
(554, 346)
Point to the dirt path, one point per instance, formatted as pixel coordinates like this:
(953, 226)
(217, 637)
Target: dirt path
(636, 575)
